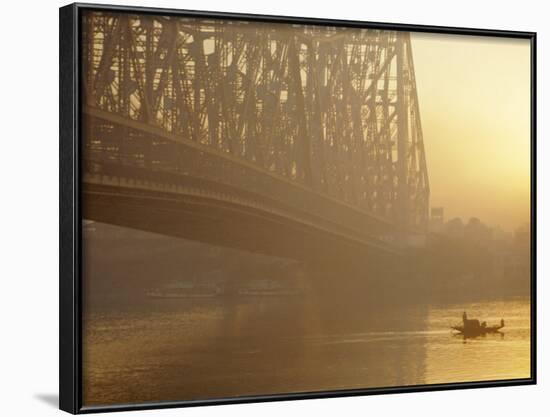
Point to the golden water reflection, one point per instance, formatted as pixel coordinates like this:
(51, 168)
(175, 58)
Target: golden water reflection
(198, 349)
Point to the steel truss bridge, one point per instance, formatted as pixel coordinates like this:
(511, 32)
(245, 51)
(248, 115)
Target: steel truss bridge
(277, 138)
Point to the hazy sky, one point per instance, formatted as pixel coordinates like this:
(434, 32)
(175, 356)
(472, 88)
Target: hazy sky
(474, 97)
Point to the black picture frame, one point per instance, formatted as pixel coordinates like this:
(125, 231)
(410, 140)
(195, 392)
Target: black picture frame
(70, 237)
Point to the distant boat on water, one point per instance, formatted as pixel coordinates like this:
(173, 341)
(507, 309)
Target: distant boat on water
(265, 287)
(473, 327)
(186, 290)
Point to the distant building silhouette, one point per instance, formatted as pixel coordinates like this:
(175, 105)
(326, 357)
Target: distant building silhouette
(437, 220)
(455, 228)
(478, 232)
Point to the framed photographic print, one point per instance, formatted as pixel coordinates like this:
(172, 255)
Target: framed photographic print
(259, 208)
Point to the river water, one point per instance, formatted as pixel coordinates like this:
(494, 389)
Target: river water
(184, 349)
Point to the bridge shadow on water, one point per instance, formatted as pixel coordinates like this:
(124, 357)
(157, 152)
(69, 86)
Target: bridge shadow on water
(305, 328)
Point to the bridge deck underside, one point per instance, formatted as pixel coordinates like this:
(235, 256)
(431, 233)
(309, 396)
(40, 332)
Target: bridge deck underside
(224, 223)
(202, 210)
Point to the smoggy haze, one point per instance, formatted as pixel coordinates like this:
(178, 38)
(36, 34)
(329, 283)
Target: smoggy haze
(474, 95)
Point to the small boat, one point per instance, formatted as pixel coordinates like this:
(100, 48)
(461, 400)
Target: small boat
(265, 287)
(187, 290)
(274, 291)
(473, 328)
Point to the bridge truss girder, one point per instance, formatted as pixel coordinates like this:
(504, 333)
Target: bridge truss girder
(333, 109)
